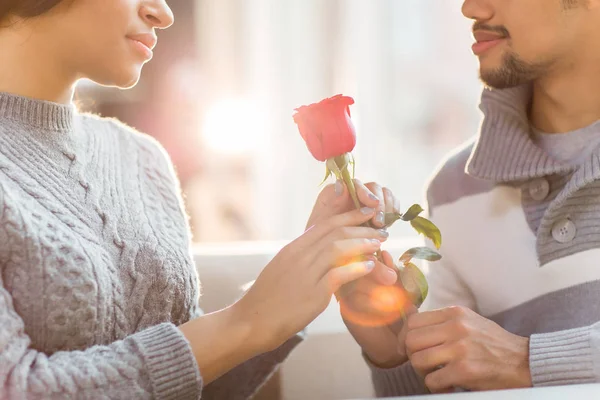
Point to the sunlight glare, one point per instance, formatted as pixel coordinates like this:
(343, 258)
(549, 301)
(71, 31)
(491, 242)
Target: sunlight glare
(234, 127)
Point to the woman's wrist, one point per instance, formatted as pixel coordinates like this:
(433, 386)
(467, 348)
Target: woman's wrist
(221, 341)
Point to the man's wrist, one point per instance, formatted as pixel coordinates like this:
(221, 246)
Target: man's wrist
(523, 371)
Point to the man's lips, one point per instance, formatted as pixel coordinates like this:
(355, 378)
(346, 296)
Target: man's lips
(485, 40)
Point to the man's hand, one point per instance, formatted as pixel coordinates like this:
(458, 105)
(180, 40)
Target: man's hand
(373, 313)
(457, 348)
(372, 306)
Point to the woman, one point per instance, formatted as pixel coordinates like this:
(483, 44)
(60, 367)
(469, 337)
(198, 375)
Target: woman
(98, 290)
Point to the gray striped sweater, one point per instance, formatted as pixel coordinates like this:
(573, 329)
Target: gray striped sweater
(521, 244)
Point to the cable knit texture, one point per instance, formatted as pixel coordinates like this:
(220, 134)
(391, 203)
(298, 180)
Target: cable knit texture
(96, 270)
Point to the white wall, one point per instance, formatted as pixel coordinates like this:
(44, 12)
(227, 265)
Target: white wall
(328, 364)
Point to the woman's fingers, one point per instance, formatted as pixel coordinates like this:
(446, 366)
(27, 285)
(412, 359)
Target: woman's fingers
(366, 196)
(317, 232)
(336, 277)
(344, 252)
(341, 234)
(379, 219)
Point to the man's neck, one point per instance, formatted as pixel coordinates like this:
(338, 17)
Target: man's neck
(566, 102)
(32, 70)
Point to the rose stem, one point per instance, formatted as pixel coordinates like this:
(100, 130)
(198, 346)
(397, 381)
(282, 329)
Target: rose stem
(352, 189)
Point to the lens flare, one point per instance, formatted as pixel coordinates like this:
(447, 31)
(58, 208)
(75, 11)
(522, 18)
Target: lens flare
(382, 306)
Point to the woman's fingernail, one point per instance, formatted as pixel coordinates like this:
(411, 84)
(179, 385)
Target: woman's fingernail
(376, 242)
(366, 210)
(373, 197)
(384, 233)
(380, 218)
(369, 265)
(339, 188)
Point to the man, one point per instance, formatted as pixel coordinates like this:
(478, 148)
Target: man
(515, 301)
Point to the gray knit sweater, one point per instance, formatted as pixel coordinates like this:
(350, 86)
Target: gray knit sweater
(95, 265)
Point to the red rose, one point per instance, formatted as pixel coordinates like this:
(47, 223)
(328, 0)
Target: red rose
(326, 127)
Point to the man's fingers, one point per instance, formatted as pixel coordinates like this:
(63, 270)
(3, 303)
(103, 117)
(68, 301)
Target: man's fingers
(426, 337)
(384, 275)
(428, 360)
(435, 317)
(367, 296)
(391, 203)
(388, 260)
(446, 378)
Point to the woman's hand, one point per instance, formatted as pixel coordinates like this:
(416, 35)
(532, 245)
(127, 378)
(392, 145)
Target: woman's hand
(297, 285)
(335, 199)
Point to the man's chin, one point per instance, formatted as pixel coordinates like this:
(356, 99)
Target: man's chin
(498, 79)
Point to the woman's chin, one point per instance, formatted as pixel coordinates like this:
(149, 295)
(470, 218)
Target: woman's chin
(130, 79)
(123, 79)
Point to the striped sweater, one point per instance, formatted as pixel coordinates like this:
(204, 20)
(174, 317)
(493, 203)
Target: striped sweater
(521, 245)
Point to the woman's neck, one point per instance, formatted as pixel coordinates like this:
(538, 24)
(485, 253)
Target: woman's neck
(31, 68)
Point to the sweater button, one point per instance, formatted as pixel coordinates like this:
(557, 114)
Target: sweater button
(564, 231)
(539, 189)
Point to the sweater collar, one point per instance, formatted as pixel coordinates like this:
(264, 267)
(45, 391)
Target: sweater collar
(504, 150)
(40, 114)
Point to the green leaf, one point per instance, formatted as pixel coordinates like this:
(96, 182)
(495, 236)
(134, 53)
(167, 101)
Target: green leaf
(353, 165)
(327, 175)
(391, 218)
(412, 213)
(420, 253)
(414, 283)
(428, 229)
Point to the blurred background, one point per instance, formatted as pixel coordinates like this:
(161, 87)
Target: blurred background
(220, 93)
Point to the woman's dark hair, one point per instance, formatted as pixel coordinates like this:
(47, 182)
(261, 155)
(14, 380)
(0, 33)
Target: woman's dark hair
(25, 8)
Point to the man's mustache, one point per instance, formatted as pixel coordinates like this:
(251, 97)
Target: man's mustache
(480, 26)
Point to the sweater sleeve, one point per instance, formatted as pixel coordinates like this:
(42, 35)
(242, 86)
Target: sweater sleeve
(565, 357)
(402, 380)
(156, 363)
(245, 380)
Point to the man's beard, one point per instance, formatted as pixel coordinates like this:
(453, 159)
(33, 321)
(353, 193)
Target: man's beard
(512, 73)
